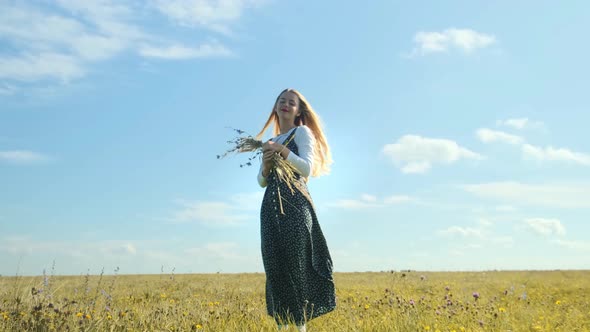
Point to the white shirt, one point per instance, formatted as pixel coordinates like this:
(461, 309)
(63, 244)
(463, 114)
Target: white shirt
(303, 162)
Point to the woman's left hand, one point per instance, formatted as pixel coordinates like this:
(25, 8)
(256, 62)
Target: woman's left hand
(272, 146)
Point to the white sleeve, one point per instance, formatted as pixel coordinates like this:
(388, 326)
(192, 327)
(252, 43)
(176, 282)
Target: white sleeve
(261, 179)
(305, 144)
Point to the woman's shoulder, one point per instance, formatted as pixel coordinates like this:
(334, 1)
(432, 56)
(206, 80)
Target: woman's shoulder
(304, 129)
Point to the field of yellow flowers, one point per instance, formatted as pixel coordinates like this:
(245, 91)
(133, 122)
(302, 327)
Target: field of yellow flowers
(384, 301)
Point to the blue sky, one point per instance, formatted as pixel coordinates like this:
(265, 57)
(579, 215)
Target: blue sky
(458, 131)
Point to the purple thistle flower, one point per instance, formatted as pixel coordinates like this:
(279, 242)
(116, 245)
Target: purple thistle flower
(476, 295)
(411, 302)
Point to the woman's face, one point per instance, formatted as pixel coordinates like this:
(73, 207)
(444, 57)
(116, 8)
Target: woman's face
(287, 107)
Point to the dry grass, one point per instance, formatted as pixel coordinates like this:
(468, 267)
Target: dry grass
(386, 301)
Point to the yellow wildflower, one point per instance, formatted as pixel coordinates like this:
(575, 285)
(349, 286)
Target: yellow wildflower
(199, 326)
(558, 302)
(79, 314)
(426, 328)
(88, 316)
(502, 309)
(367, 306)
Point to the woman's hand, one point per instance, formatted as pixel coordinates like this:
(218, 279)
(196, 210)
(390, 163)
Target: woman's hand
(269, 148)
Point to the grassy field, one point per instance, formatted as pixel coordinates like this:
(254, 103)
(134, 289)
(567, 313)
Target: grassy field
(385, 301)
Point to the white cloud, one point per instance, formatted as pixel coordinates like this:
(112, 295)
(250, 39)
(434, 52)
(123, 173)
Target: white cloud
(416, 154)
(41, 66)
(119, 249)
(219, 213)
(367, 201)
(353, 204)
(545, 195)
(555, 154)
(462, 231)
(574, 245)
(218, 250)
(397, 199)
(233, 211)
(504, 241)
(488, 136)
(47, 44)
(520, 123)
(247, 201)
(179, 52)
(212, 14)
(485, 222)
(27, 245)
(545, 226)
(22, 157)
(368, 198)
(50, 46)
(466, 40)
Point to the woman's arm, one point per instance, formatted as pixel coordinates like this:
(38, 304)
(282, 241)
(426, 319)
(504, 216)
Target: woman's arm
(305, 145)
(303, 162)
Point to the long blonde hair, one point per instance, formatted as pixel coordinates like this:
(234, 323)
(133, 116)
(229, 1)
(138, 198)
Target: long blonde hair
(309, 118)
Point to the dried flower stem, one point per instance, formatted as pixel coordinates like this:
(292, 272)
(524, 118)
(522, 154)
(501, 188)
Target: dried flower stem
(283, 170)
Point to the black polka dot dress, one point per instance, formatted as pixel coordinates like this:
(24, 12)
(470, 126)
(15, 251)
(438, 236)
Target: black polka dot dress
(298, 266)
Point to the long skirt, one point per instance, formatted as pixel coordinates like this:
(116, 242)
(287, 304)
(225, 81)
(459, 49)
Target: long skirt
(298, 266)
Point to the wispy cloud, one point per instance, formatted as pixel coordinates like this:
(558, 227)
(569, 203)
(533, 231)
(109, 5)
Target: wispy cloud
(27, 245)
(233, 211)
(22, 157)
(574, 245)
(417, 154)
(217, 250)
(520, 123)
(41, 66)
(544, 226)
(488, 136)
(555, 154)
(462, 231)
(48, 44)
(529, 151)
(476, 237)
(465, 40)
(179, 52)
(546, 195)
(211, 14)
(219, 213)
(367, 201)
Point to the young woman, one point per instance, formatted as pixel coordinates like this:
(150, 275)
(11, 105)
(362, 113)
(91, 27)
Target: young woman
(298, 266)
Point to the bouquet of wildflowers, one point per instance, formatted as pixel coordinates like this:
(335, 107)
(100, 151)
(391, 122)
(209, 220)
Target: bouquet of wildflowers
(245, 142)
